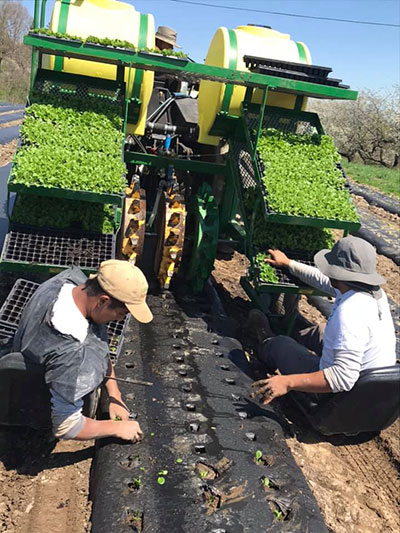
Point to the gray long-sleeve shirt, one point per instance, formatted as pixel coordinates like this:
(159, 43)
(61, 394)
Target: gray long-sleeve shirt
(355, 337)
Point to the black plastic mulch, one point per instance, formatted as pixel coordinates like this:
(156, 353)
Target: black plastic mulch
(8, 134)
(10, 117)
(373, 197)
(198, 410)
(385, 237)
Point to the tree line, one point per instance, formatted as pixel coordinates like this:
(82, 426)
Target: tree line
(15, 21)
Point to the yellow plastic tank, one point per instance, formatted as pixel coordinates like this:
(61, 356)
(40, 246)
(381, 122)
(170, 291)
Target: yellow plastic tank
(112, 19)
(227, 50)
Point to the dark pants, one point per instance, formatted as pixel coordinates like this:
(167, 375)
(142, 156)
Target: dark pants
(292, 356)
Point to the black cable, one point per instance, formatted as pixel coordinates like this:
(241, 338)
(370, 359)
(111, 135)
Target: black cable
(204, 4)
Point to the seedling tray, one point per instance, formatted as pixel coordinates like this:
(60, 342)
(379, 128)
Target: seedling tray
(293, 71)
(116, 332)
(287, 282)
(19, 296)
(58, 192)
(6, 331)
(251, 171)
(41, 250)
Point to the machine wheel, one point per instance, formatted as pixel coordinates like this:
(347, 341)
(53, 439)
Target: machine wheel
(134, 224)
(171, 228)
(204, 210)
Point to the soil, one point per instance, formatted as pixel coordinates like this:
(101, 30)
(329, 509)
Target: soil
(7, 152)
(42, 491)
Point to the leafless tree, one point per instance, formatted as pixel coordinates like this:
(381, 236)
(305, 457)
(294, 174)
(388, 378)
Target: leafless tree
(14, 55)
(368, 129)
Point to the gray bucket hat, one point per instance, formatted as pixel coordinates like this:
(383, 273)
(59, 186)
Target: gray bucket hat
(168, 35)
(351, 259)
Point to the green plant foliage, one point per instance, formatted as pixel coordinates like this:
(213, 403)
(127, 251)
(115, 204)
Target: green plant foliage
(267, 272)
(301, 177)
(71, 147)
(161, 480)
(105, 41)
(290, 238)
(60, 213)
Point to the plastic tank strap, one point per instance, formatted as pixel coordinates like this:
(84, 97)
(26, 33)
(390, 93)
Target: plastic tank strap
(233, 51)
(142, 43)
(302, 53)
(62, 28)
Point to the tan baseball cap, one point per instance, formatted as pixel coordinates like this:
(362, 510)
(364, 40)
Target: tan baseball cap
(125, 282)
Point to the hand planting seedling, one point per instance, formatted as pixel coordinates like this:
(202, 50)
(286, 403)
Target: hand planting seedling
(301, 178)
(267, 272)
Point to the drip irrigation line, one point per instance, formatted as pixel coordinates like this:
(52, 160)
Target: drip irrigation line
(296, 15)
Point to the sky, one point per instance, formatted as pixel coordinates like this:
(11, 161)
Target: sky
(363, 56)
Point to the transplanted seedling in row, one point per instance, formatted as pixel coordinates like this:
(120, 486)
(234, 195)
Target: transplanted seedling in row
(278, 515)
(258, 457)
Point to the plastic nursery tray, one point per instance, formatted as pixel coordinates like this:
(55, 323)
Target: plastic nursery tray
(6, 331)
(286, 281)
(58, 192)
(116, 332)
(39, 249)
(19, 296)
(293, 71)
(251, 172)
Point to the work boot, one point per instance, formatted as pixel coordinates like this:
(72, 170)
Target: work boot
(258, 326)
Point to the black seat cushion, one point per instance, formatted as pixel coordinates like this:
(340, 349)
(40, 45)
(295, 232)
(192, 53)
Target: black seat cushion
(371, 405)
(24, 395)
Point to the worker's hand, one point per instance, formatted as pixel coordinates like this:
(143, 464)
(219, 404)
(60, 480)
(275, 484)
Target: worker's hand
(278, 259)
(270, 388)
(118, 409)
(128, 430)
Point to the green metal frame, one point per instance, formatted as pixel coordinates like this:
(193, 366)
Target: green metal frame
(58, 192)
(177, 66)
(225, 125)
(203, 167)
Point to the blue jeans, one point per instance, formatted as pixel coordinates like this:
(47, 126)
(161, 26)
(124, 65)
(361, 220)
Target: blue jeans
(292, 356)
